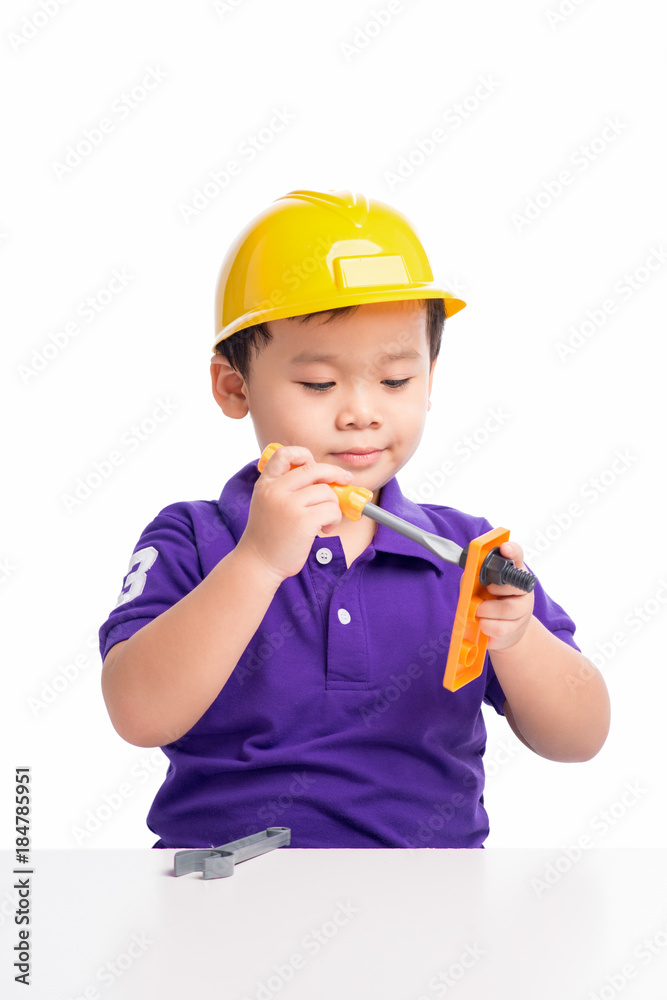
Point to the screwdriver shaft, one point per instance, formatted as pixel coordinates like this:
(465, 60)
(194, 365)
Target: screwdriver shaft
(495, 568)
(441, 547)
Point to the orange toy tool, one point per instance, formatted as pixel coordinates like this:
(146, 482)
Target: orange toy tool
(467, 647)
(352, 499)
(481, 561)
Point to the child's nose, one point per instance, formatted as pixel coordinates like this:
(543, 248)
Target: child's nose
(358, 406)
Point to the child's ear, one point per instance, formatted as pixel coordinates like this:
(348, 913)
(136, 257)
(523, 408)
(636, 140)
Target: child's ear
(229, 389)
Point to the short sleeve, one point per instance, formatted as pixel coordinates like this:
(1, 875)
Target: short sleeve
(553, 616)
(163, 568)
(493, 693)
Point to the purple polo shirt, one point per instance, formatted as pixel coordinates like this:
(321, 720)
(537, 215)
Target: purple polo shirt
(334, 722)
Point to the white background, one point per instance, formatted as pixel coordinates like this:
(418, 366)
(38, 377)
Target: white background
(359, 100)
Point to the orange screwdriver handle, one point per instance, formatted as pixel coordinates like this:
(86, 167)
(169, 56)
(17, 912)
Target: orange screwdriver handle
(352, 499)
(467, 648)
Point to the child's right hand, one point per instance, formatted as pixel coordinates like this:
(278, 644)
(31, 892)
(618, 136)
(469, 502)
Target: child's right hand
(289, 507)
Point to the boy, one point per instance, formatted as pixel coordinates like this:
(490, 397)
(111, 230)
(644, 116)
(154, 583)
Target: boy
(289, 661)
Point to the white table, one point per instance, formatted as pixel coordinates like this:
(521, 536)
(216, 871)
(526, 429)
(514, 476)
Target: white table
(389, 924)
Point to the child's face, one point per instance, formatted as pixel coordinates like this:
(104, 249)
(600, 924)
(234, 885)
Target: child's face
(360, 406)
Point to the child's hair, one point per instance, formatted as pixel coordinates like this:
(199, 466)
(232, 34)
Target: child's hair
(238, 348)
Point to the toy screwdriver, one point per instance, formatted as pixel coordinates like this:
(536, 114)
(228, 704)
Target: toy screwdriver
(480, 559)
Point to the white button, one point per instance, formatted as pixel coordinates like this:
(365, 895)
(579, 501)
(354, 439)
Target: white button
(344, 616)
(323, 555)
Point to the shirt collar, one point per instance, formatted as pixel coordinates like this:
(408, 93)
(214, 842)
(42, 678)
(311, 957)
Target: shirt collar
(234, 505)
(387, 540)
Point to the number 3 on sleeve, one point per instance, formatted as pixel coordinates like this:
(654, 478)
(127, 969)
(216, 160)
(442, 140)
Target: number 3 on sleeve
(135, 579)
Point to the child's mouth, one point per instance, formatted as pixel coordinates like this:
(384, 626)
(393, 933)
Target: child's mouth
(355, 458)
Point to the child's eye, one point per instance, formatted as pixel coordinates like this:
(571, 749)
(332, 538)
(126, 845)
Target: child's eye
(391, 383)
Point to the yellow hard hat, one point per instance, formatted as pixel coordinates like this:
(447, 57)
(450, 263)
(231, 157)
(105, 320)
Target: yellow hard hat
(311, 251)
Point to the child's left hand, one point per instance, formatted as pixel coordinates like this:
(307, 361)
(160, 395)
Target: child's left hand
(505, 619)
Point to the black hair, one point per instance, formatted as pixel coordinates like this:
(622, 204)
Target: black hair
(241, 347)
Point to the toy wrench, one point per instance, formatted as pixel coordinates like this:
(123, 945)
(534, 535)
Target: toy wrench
(480, 560)
(218, 862)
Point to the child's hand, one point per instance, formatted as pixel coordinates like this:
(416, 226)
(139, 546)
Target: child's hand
(290, 507)
(505, 619)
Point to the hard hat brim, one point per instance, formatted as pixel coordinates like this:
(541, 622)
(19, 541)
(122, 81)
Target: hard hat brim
(358, 298)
